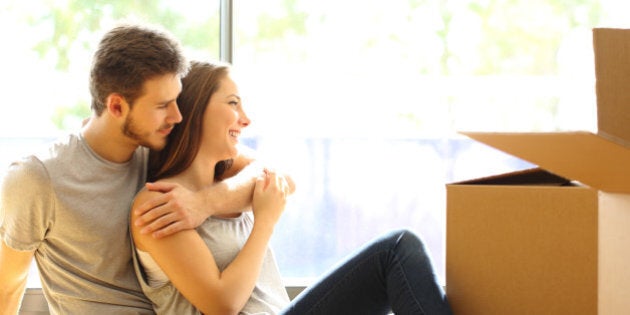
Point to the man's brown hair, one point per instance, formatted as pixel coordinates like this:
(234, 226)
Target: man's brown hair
(128, 56)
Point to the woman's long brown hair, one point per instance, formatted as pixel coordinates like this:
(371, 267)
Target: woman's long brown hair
(201, 82)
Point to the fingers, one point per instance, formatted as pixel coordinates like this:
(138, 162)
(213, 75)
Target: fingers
(278, 185)
(290, 183)
(168, 212)
(158, 223)
(271, 184)
(272, 178)
(261, 183)
(160, 186)
(163, 187)
(284, 182)
(267, 178)
(269, 198)
(164, 225)
(143, 211)
(169, 230)
(155, 214)
(284, 185)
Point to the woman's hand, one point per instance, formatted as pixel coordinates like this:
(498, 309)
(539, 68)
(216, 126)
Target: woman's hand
(270, 196)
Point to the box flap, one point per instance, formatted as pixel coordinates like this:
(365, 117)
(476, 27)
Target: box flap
(612, 68)
(530, 176)
(582, 156)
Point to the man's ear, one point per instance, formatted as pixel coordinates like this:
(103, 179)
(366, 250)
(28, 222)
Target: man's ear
(116, 105)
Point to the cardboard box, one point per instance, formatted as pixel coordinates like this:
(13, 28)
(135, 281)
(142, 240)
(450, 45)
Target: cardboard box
(555, 239)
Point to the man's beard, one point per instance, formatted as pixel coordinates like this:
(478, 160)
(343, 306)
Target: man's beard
(131, 130)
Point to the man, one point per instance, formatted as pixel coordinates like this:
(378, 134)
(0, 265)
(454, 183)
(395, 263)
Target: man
(69, 208)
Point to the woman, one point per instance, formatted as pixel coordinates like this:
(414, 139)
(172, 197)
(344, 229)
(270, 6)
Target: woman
(225, 265)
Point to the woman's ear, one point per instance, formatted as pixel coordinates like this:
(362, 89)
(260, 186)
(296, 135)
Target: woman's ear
(116, 105)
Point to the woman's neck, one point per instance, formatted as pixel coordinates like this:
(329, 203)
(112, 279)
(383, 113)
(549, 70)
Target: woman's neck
(199, 174)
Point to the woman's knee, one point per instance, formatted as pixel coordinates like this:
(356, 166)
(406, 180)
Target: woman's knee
(406, 236)
(403, 238)
(407, 241)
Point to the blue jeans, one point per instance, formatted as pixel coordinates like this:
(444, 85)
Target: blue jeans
(391, 273)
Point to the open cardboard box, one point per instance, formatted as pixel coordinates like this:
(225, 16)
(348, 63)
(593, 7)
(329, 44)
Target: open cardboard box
(555, 239)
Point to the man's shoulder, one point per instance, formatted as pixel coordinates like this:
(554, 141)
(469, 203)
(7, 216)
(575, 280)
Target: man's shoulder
(26, 167)
(60, 147)
(34, 167)
(50, 149)
(25, 178)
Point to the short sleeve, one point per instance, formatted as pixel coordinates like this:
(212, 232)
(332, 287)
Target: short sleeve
(26, 204)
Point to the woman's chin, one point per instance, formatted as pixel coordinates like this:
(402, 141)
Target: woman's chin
(230, 155)
(234, 152)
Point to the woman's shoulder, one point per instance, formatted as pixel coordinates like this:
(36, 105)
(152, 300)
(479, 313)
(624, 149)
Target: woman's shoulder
(143, 196)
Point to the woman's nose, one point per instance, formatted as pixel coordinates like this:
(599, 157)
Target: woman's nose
(243, 119)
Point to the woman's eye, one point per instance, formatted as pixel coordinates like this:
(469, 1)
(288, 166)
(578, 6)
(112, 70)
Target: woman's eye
(233, 103)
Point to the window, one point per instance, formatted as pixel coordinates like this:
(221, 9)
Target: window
(361, 101)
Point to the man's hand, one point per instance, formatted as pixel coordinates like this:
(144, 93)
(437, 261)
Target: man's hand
(176, 209)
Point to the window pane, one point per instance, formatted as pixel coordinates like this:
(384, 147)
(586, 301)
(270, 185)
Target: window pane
(48, 46)
(52, 45)
(361, 101)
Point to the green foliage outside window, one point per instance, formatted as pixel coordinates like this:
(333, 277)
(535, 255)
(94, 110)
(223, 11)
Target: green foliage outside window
(509, 37)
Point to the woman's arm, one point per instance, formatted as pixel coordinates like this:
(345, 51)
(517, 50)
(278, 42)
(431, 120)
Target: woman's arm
(190, 266)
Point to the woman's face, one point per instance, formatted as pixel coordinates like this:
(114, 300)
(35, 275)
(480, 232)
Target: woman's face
(223, 120)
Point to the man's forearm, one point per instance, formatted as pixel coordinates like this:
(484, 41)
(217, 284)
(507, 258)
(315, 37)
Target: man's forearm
(14, 266)
(234, 192)
(178, 208)
(10, 299)
(231, 195)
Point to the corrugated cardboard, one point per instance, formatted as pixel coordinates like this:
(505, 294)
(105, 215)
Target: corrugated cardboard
(612, 69)
(582, 156)
(533, 242)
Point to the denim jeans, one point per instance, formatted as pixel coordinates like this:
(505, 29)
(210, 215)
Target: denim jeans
(390, 273)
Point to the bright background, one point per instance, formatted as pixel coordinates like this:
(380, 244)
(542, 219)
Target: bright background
(359, 100)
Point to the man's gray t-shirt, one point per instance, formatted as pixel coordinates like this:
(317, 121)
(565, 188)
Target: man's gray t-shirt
(72, 207)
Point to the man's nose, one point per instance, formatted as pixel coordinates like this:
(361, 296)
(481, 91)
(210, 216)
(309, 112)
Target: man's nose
(175, 114)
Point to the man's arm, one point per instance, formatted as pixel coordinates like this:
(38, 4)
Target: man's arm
(14, 266)
(179, 209)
